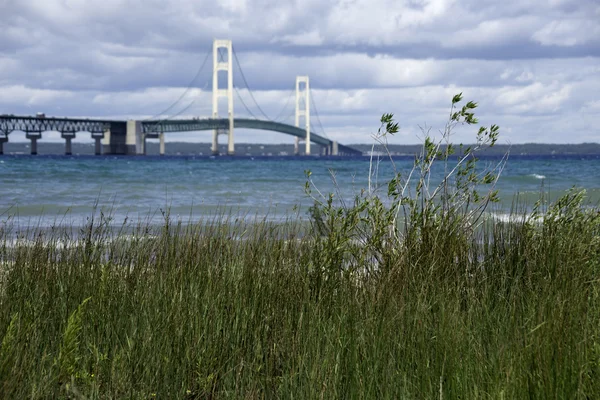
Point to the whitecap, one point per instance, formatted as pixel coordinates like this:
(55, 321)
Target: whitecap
(538, 176)
(505, 217)
(514, 217)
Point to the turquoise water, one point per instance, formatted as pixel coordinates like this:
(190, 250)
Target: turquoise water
(46, 190)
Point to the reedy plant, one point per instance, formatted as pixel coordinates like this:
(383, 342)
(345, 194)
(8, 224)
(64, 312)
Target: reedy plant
(376, 226)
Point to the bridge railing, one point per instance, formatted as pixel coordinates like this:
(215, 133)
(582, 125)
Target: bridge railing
(10, 123)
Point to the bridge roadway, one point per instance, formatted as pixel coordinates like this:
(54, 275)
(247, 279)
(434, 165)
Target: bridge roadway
(128, 137)
(204, 124)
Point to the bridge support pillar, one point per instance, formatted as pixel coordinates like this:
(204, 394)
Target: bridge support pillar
(334, 149)
(106, 138)
(115, 139)
(3, 139)
(303, 98)
(215, 143)
(98, 145)
(155, 135)
(68, 148)
(297, 146)
(223, 65)
(134, 140)
(34, 138)
(68, 138)
(230, 142)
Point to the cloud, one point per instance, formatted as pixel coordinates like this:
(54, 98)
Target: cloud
(533, 66)
(568, 32)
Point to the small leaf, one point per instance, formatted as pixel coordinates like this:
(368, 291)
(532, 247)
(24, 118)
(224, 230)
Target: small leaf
(457, 98)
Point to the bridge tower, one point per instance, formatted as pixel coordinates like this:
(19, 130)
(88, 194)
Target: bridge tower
(217, 93)
(303, 99)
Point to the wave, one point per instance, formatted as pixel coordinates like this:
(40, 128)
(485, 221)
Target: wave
(537, 176)
(507, 217)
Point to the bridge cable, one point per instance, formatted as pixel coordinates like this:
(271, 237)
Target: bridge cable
(312, 128)
(285, 106)
(246, 82)
(245, 106)
(312, 101)
(185, 91)
(290, 116)
(180, 112)
(160, 121)
(222, 58)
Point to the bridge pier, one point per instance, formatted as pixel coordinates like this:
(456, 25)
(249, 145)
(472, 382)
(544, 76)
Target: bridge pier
(215, 143)
(98, 145)
(106, 141)
(68, 148)
(3, 139)
(34, 138)
(230, 142)
(297, 146)
(335, 149)
(156, 135)
(68, 138)
(114, 141)
(134, 138)
(124, 138)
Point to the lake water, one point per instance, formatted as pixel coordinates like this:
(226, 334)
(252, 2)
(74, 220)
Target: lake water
(46, 190)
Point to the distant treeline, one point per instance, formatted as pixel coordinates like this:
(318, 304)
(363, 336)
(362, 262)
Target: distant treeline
(186, 148)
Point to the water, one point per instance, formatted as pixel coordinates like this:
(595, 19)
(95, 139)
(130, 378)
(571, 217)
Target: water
(48, 190)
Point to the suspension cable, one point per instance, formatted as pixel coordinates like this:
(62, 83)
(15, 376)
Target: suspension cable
(285, 106)
(312, 101)
(182, 111)
(221, 58)
(245, 106)
(185, 91)
(160, 121)
(246, 82)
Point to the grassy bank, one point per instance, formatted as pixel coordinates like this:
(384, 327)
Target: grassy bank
(511, 311)
(409, 294)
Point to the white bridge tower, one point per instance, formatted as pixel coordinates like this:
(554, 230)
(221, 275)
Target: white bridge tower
(226, 65)
(303, 98)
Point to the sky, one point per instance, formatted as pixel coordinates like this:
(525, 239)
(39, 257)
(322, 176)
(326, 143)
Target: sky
(532, 66)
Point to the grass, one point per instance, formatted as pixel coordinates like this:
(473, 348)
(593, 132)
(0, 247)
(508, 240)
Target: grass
(237, 310)
(411, 296)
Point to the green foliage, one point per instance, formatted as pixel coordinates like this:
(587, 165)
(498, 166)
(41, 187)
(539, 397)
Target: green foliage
(69, 352)
(413, 206)
(400, 294)
(229, 309)
(9, 343)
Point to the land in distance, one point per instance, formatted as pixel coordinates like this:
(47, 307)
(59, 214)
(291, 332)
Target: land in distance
(287, 149)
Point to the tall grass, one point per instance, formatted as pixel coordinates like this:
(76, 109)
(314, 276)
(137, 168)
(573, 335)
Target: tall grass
(409, 299)
(233, 309)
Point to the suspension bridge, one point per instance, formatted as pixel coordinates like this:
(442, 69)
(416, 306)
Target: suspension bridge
(129, 137)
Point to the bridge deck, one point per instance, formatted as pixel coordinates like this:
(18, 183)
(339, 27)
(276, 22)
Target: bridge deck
(9, 123)
(186, 125)
(29, 124)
